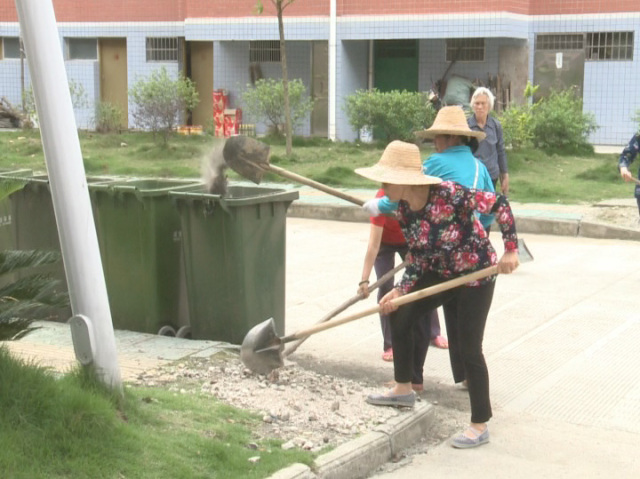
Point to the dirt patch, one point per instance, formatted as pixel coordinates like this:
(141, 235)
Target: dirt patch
(620, 216)
(309, 404)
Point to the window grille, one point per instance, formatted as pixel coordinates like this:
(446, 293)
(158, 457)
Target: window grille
(609, 46)
(560, 42)
(82, 48)
(161, 49)
(267, 51)
(465, 49)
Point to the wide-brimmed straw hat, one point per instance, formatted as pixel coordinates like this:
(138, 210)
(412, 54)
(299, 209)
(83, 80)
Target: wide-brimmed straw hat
(450, 120)
(400, 164)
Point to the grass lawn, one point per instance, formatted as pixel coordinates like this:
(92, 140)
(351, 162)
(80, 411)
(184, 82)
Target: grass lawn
(71, 427)
(535, 176)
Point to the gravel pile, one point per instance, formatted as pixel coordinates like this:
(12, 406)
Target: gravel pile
(304, 409)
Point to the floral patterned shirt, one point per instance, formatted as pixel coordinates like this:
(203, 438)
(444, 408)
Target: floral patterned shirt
(447, 238)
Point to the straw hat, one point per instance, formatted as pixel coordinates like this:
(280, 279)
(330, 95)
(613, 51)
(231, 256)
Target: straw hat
(400, 164)
(450, 120)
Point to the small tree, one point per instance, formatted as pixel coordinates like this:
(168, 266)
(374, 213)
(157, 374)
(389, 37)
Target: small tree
(288, 121)
(159, 101)
(265, 100)
(79, 99)
(395, 114)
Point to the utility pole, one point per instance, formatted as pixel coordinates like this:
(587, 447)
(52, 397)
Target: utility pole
(91, 326)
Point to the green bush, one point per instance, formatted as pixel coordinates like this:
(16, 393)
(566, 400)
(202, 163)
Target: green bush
(264, 101)
(559, 122)
(394, 115)
(79, 99)
(108, 117)
(159, 101)
(517, 127)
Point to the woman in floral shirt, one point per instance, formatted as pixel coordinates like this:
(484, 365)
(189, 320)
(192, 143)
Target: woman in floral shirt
(446, 240)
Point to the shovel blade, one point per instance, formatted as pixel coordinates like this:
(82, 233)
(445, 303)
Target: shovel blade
(261, 349)
(524, 255)
(247, 156)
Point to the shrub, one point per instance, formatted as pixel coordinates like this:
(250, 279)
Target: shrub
(517, 128)
(559, 122)
(159, 101)
(79, 99)
(265, 102)
(108, 117)
(393, 115)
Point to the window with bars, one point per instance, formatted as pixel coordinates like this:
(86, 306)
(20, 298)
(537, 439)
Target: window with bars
(600, 46)
(465, 49)
(82, 48)
(162, 49)
(560, 42)
(267, 51)
(609, 46)
(10, 47)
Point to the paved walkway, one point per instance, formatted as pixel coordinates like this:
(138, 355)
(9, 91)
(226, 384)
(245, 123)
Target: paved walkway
(561, 344)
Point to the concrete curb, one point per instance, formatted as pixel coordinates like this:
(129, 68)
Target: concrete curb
(360, 457)
(525, 222)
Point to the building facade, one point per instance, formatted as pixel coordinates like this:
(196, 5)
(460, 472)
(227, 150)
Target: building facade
(337, 47)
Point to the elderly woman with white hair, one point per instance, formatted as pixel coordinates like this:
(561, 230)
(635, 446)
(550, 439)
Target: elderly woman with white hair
(491, 150)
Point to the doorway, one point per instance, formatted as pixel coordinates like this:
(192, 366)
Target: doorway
(199, 68)
(395, 65)
(113, 75)
(319, 89)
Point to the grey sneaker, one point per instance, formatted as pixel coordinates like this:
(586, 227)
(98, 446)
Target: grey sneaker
(464, 442)
(395, 400)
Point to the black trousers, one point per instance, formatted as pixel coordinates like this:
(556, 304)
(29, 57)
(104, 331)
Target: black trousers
(465, 313)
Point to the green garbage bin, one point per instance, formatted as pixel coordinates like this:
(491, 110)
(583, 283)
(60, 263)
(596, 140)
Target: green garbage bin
(234, 254)
(33, 227)
(139, 233)
(7, 180)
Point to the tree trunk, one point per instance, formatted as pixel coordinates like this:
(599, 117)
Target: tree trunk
(285, 80)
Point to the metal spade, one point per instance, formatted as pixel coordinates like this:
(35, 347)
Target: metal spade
(250, 159)
(261, 349)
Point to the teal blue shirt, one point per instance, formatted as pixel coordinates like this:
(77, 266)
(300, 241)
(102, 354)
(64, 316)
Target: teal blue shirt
(454, 164)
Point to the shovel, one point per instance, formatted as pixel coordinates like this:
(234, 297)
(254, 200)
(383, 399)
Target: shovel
(250, 159)
(261, 350)
(334, 312)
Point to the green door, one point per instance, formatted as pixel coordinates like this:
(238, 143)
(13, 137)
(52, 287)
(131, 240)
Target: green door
(396, 65)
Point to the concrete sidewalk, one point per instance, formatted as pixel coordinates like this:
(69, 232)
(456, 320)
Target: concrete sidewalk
(561, 344)
(538, 218)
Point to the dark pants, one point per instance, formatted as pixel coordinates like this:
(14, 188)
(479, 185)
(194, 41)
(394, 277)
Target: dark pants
(465, 313)
(425, 328)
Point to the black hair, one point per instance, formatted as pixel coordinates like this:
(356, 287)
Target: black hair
(472, 142)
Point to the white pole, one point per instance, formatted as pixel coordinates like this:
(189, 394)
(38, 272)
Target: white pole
(69, 191)
(332, 69)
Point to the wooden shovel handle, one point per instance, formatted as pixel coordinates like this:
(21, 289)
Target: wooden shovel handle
(358, 297)
(314, 184)
(407, 298)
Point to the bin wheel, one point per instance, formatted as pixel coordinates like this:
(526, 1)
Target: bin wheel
(167, 331)
(184, 332)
